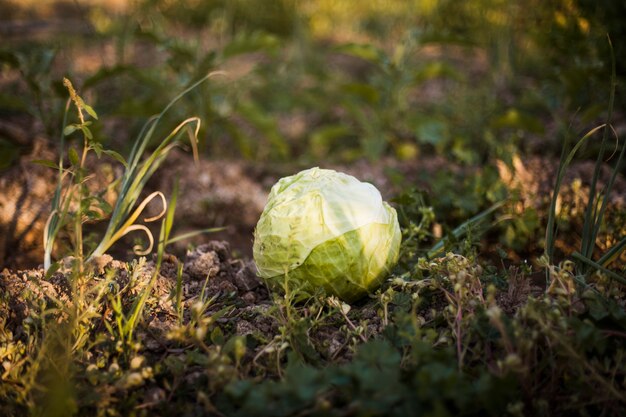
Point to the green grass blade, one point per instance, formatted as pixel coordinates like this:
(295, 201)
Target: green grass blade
(592, 217)
(169, 217)
(550, 228)
(613, 253)
(194, 233)
(179, 293)
(150, 126)
(589, 262)
(563, 164)
(605, 202)
(54, 221)
(137, 174)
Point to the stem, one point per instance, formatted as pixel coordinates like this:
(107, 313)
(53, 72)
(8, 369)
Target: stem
(599, 267)
(79, 233)
(352, 326)
(459, 331)
(79, 210)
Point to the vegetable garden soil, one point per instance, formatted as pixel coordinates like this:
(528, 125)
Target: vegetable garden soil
(209, 268)
(239, 300)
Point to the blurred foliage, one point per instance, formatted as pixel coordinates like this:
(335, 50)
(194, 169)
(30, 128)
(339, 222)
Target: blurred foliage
(329, 79)
(277, 17)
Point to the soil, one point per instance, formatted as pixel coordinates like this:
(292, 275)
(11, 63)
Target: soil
(209, 272)
(209, 268)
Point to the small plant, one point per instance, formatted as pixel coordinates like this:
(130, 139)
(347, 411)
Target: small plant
(464, 293)
(597, 203)
(68, 323)
(72, 202)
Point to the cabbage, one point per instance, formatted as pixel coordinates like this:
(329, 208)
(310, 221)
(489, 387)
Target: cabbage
(325, 229)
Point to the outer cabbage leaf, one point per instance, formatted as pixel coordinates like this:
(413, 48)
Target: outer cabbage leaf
(321, 228)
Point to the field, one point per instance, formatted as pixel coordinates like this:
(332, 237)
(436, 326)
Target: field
(139, 141)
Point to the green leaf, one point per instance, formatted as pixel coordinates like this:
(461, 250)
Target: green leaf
(69, 129)
(119, 158)
(90, 110)
(197, 358)
(73, 155)
(217, 336)
(97, 147)
(53, 268)
(432, 132)
(86, 132)
(85, 203)
(174, 364)
(104, 206)
(92, 214)
(46, 163)
(301, 342)
(591, 263)
(364, 51)
(251, 43)
(194, 233)
(235, 347)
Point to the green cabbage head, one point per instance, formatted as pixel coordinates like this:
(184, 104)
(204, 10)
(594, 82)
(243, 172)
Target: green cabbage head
(325, 229)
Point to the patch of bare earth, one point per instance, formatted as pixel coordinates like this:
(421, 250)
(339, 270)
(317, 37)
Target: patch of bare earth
(208, 273)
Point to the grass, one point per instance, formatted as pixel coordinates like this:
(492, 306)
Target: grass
(596, 202)
(137, 172)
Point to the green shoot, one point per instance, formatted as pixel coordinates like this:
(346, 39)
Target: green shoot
(595, 210)
(593, 218)
(75, 194)
(564, 163)
(137, 175)
(126, 324)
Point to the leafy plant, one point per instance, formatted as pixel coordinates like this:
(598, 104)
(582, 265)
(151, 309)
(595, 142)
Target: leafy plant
(596, 205)
(136, 174)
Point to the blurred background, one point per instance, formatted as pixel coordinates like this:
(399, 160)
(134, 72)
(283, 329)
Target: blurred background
(440, 90)
(318, 79)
